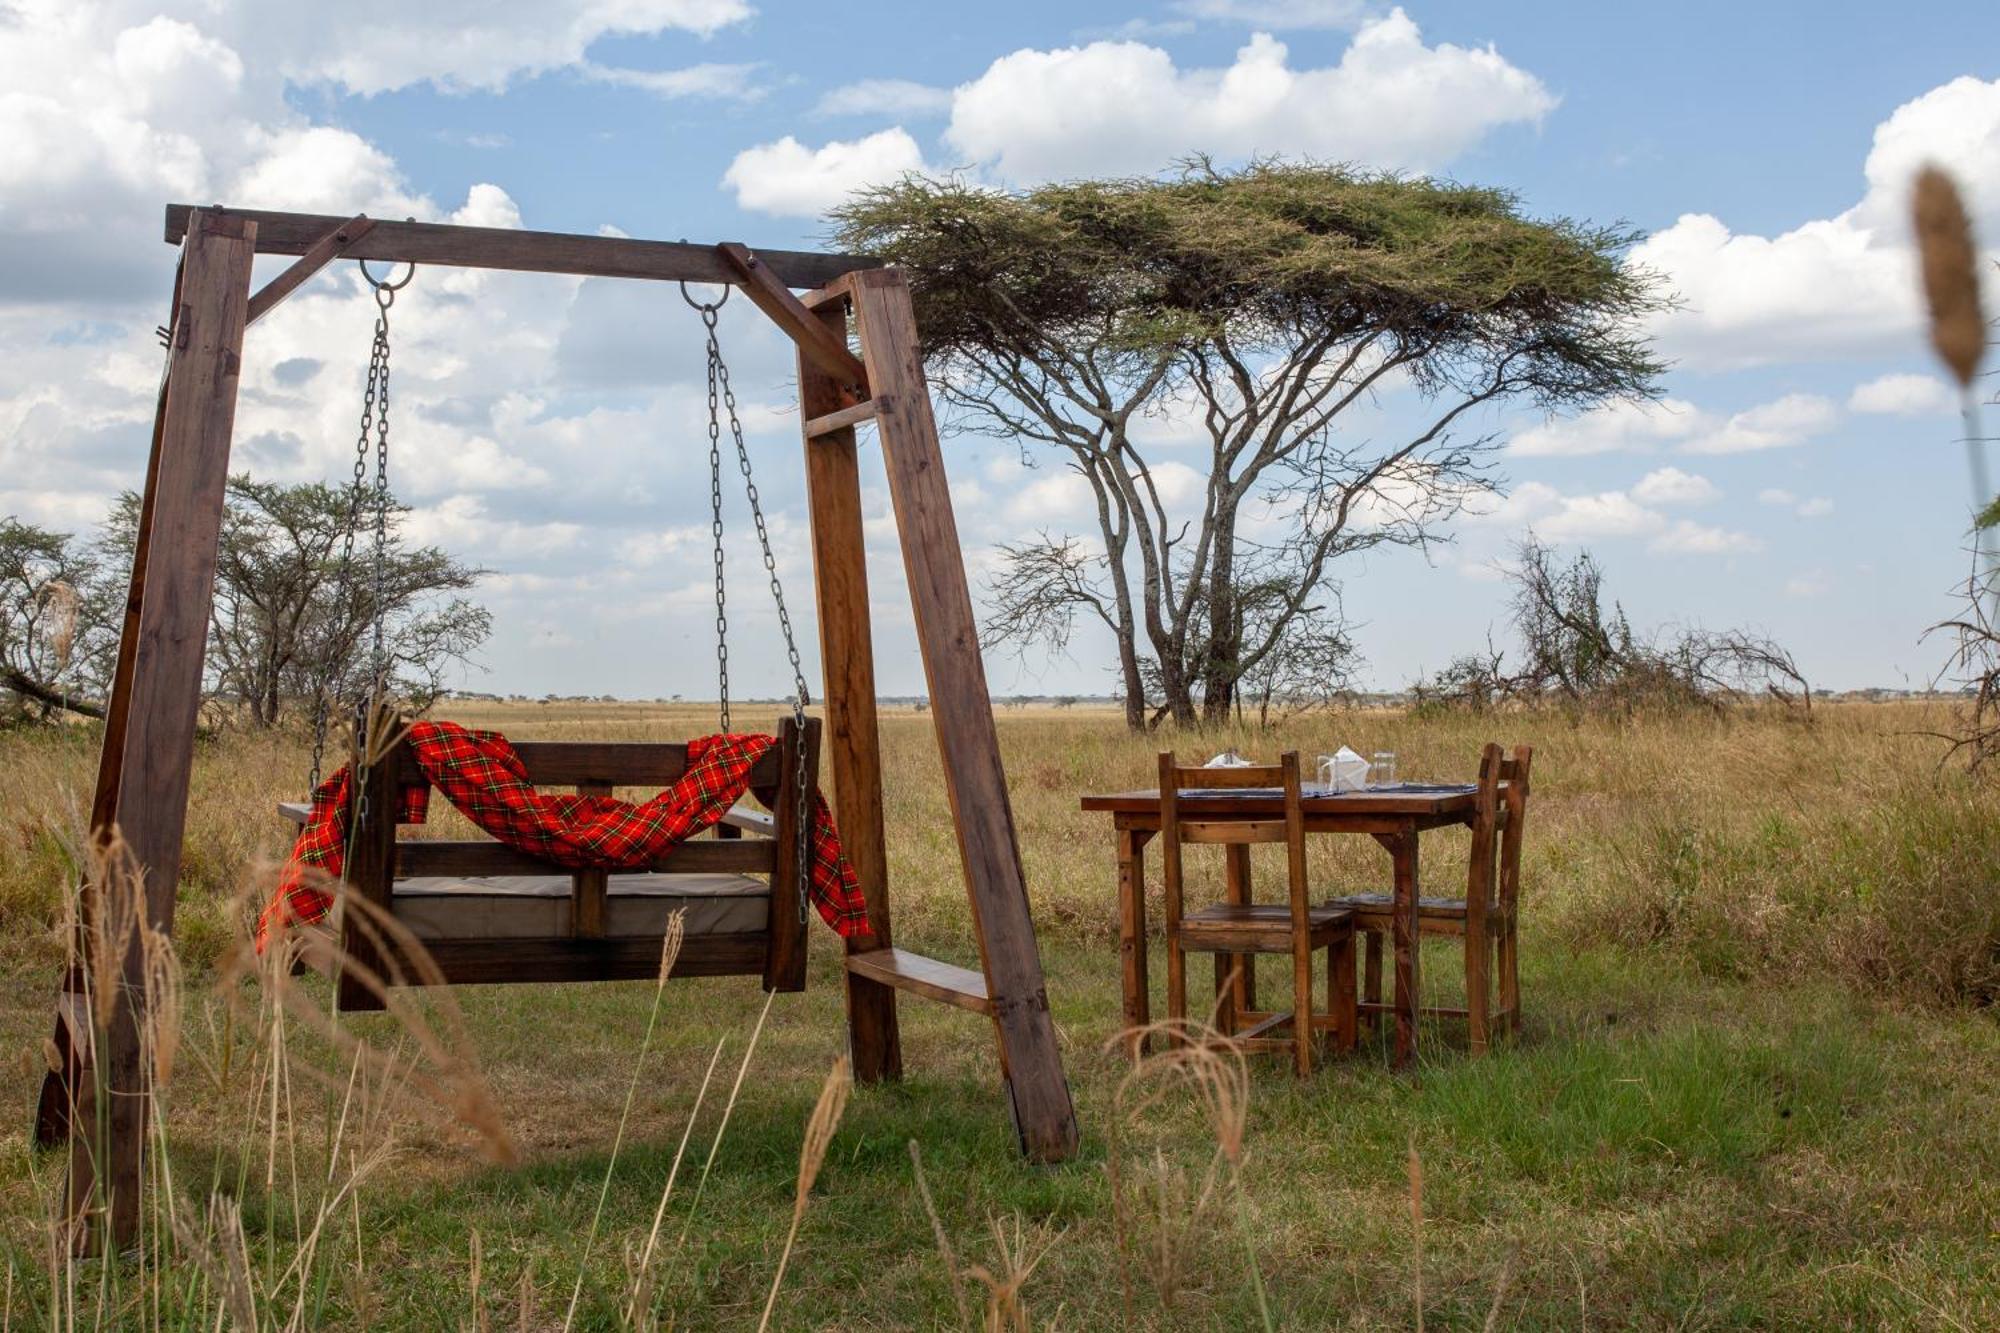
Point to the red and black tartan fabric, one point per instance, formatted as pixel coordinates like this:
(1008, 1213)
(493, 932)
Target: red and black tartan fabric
(481, 774)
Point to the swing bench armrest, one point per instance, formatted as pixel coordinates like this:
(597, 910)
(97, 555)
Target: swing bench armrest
(297, 812)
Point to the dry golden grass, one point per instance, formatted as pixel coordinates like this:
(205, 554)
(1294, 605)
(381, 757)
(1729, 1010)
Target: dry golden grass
(1760, 966)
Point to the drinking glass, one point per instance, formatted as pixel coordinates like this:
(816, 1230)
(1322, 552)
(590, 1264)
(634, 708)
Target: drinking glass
(1325, 771)
(1382, 769)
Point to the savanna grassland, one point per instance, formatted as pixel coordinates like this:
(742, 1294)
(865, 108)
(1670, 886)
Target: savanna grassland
(1757, 1086)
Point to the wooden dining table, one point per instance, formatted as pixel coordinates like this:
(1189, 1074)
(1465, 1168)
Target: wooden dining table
(1395, 816)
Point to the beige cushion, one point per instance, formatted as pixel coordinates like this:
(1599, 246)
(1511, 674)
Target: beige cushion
(520, 907)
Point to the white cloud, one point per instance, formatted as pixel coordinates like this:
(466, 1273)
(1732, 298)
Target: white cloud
(1125, 107)
(1612, 516)
(1641, 427)
(788, 178)
(1779, 424)
(1671, 486)
(732, 82)
(1903, 396)
(1689, 538)
(1276, 13)
(1616, 427)
(1817, 506)
(884, 97)
(1840, 286)
(1112, 107)
(1812, 583)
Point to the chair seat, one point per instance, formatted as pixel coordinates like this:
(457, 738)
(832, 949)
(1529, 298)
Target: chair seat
(527, 907)
(1260, 927)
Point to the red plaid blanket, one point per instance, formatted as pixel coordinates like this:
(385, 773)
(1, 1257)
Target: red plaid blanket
(480, 773)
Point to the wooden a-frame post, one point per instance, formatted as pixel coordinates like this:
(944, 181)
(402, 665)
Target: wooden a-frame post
(150, 719)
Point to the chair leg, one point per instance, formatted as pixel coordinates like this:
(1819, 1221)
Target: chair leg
(1510, 979)
(1371, 941)
(1302, 1006)
(1225, 994)
(1177, 987)
(1478, 988)
(1340, 993)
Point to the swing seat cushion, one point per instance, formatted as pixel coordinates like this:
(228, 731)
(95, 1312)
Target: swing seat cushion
(531, 907)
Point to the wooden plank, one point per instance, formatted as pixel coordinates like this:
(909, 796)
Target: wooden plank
(785, 965)
(417, 858)
(945, 982)
(1403, 934)
(1237, 889)
(317, 256)
(841, 420)
(975, 780)
(852, 739)
(1132, 937)
(835, 295)
(587, 888)
(370, 867)
(825, 348)
(630, 958)
(445, 245)
(1239, 831)
(162, 692)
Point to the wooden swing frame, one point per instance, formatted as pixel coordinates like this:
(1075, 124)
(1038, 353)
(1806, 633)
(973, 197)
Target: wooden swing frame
(144, 768)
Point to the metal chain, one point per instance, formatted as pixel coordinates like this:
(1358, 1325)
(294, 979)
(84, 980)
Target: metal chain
(375, 431)
(721, 395)
(717, 375)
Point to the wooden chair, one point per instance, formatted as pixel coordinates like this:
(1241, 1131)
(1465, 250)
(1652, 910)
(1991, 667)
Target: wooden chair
(1485, 918)
(1234, 931)
(487, 913)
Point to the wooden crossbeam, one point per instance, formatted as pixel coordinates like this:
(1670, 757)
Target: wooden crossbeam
(773, 296)
(526, 251)
(321, 253)
(841, 420)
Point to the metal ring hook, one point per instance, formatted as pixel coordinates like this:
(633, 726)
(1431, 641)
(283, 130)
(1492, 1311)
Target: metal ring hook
(383, 284)
(707, 307)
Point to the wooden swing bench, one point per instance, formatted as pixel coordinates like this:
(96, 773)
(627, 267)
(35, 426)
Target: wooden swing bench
(486, 913)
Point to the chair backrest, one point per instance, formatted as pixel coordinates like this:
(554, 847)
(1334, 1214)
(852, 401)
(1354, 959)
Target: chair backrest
(1175, 830)
(1514, 796)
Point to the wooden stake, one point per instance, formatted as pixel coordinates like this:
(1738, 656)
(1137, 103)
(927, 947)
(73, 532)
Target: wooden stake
(975, 780)
(157, 693)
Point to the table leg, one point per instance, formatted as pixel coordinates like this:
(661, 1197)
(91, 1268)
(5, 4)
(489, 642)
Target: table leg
(1132, 933)
(1237, 871)
(1404, 921)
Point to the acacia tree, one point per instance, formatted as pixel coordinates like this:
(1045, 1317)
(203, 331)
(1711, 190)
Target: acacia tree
(288, 621)
(1266, 304)
(57, 637)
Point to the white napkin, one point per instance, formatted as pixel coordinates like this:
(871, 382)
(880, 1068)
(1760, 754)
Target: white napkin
(1350, 771)
(1229, 759)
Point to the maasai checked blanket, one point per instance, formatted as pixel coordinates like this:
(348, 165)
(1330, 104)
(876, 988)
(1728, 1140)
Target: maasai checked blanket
(480, 773)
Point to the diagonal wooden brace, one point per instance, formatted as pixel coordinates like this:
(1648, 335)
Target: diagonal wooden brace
(825, 348)
(321, 253)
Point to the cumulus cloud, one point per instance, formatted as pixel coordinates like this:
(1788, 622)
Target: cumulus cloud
(1276, 13)
(884, 97)
(1903, 396)
(1616, 516)
(1780, 424)
(1829, 287)
(1642, 427)
(1120, 107)
(1671, 486)
(787, 177)
(1616, 427)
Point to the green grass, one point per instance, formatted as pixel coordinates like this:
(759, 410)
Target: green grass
(1725, 1112)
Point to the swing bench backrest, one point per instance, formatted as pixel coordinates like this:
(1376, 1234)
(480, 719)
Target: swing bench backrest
(599, 941)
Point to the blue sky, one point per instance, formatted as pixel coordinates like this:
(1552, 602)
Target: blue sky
(1803, 475)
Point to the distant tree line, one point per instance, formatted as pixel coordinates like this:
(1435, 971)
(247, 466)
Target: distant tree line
(291, 618)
